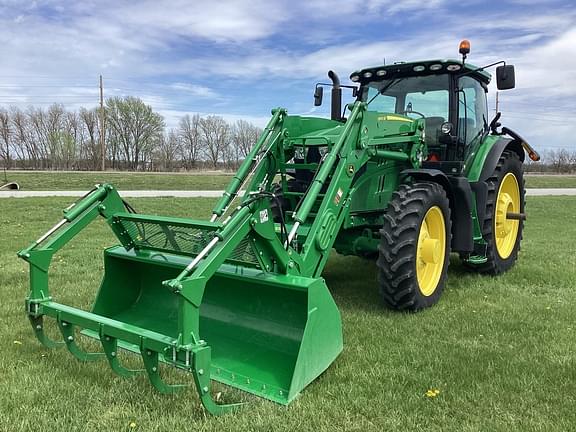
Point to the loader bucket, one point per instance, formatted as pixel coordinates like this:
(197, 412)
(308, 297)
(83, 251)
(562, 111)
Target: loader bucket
(270, 334)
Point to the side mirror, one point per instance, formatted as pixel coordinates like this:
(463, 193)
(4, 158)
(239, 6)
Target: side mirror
(505, 78)
(318, 93)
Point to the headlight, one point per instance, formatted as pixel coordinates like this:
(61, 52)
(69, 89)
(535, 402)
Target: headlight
(419, 68)
(367, 74)
(436, 67)
(446, 128)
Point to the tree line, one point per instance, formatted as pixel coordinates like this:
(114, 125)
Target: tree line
(136, 139)
(557, 161)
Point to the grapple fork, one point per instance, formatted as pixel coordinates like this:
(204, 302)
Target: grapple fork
(230, 301)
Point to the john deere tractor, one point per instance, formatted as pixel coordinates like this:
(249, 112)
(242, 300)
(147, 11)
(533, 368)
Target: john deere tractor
(412, 171)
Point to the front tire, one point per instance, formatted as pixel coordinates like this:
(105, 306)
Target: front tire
(414, 247)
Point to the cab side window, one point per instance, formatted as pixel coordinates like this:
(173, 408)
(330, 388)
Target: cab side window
(384, 104)
(472, 109)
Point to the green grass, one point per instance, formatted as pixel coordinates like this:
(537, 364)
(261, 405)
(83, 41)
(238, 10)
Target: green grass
(551, 181)
(500, 350)
(44, 180)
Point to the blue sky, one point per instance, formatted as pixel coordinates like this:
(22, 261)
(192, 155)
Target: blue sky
(240, 58)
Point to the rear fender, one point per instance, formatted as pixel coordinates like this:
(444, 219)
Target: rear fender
(482, 169)
(499, 147)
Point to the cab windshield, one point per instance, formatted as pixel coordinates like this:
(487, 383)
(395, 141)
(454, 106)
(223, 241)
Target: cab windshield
(416, 97)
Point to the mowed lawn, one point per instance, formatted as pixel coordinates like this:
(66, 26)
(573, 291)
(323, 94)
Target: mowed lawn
(501, 351)
(55, 180)
(550, 181)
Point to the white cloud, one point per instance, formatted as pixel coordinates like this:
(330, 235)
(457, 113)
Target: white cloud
(194, 90)
(231, 20)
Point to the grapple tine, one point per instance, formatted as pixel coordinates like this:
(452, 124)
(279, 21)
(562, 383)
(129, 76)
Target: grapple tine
(201, 372)
(67, 330)
(217, 409)
(38, 326)
(110, 347)
(150, 359)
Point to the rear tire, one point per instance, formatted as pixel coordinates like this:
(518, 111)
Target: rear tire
(503, 236)
(414, 247)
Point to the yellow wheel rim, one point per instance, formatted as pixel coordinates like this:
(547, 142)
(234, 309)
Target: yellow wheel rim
(431, 250)
(507, 201)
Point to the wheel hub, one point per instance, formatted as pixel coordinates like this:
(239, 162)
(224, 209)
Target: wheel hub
(430, 251)
(505, 205)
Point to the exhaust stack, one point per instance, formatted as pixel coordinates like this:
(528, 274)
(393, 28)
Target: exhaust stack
(336, 107)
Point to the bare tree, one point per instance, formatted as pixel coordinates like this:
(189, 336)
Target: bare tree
(17, 119)
(68, 140)
(167, 151)
(5, 138)
(216, 137)
(572, 161)
(245, 136)
(135, 128)
(190, 136)
(559, 160)
(38, 143)
(90, 137)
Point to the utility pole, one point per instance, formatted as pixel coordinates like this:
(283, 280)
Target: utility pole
(102, 126)
(497, 102)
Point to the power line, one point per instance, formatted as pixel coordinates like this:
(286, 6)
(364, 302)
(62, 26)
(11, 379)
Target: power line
(102, 125)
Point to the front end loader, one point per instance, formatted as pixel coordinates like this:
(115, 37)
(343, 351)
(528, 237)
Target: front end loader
(410, 173)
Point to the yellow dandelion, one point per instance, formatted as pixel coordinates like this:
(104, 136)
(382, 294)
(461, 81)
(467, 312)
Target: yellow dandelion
(132, 425)
(17, 342)
(432, 393)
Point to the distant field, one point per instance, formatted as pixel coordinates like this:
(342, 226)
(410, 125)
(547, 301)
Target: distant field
(54, 180)
(550, 181)
(499, 350)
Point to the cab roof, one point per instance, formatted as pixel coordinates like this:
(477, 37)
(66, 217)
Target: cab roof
(419, 68)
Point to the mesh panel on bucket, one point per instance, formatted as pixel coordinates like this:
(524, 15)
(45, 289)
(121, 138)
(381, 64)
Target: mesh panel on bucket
(180, 239)
(164, 236)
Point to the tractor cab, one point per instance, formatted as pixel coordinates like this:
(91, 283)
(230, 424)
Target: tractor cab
(450, 96)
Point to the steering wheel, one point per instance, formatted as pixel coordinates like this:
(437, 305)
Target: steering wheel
(412, 112)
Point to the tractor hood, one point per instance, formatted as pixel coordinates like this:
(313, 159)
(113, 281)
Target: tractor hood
(322, 128)
(379, 125)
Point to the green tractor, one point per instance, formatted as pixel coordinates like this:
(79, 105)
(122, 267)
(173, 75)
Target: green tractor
(412, 172)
